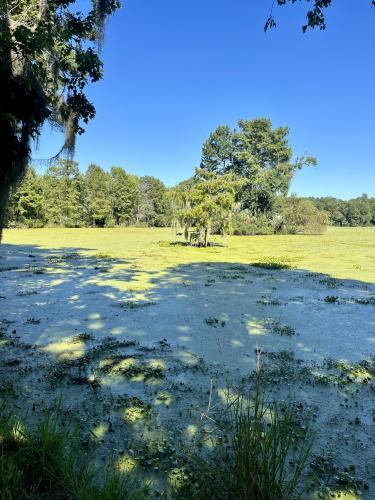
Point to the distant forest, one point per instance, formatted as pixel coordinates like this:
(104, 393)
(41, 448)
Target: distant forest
(355, 212)
(64, 196)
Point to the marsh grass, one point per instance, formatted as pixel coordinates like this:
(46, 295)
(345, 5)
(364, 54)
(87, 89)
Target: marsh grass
(263, 444)
(264, 457)
(47, 463)
(280, 329)
(274, 264)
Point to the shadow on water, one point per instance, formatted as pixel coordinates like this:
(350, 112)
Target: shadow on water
(135, 353)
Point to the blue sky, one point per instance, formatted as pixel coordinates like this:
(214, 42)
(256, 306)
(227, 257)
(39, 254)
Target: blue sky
(174, 70)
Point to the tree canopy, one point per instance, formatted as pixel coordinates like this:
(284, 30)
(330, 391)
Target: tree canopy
(48, 55)
(64, 196)
(315, 16)
(257, 153)
(125, 195)
(203, 202)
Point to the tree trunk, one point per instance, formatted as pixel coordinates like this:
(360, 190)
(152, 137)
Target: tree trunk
(12, 168)
(4, 198)
(15, 137)
(206, 236)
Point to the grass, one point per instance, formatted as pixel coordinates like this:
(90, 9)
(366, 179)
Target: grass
(264, 457)
(340, 253)
(258, 459)
(281, 329)
(47, 463)
(273, 263)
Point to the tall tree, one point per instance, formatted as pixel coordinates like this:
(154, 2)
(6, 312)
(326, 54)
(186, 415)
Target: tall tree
(264, 158)
(48, 54)
(204, 201)
(124, 196)
(257, 153)
(27, 207)
(63, 191)
(97, 196)
(154, 207)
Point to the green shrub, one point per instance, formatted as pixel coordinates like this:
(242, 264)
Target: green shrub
(162, 220)
(273, 263)
(244, 224)
(47, 463)
(299, 216)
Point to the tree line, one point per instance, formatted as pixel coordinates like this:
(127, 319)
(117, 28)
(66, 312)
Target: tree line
(358, 211)
(65, 197)
(49, 53)
(241, 186)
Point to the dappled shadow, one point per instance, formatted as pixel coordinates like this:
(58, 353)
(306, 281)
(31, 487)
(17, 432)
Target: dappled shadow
(240, 306)
(136, 352)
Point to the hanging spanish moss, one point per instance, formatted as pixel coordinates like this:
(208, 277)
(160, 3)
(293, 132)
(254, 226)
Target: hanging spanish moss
(101, 8)
(70, 134)
(47, 57)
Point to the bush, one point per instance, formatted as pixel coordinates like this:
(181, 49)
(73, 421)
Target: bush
(162, 220)
(299, 216)
(246, 224)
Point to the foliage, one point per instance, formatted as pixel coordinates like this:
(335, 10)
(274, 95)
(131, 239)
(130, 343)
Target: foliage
(48, 55)
(264, 458)
(124, 195)
(64, 197)
(300, 216)
(315, 16)
(154, 208)
(245, 223)
(63, 192)
(260, 155)
(218, 150)
(47, 462)
(355, 212)
(97, 202)
(202, 203)
(27, 203)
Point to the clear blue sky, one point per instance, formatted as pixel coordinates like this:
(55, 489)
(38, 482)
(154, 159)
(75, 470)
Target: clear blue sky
(174, 70)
